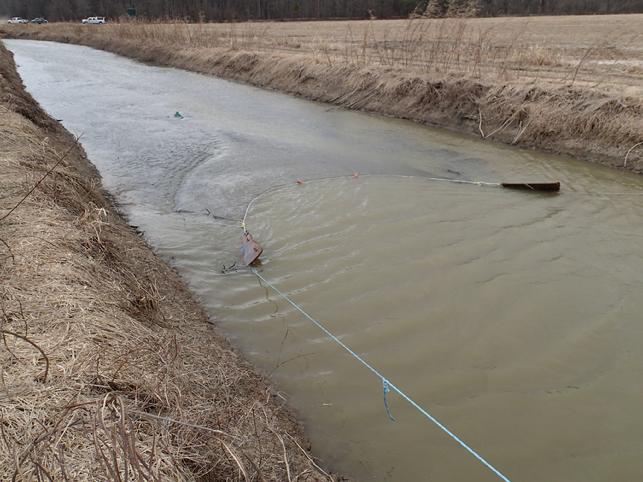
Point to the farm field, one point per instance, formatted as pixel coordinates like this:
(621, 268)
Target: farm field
(597, 52)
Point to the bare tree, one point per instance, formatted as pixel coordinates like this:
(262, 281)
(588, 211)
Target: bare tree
(436, 8)
(457, 8)
(475, 8)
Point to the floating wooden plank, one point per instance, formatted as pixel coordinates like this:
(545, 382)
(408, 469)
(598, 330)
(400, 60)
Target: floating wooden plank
(533, 186)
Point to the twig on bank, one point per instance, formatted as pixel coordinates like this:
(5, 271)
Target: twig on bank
(60, 160)
(44, 435)
(6, 346)
(588, 52)
(37, 237)
(13, 258)
(283, 445)
(480, 123)
(24, 338)
(260, 476)
(630, 151)
(40, 468)
(521, 132)
(310, 458)
(187, 424)
(7, 318)
(502, 127)
(238, 461)
(61, 460)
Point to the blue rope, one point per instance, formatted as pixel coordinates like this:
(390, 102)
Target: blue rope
(386, 384)
(386, 389)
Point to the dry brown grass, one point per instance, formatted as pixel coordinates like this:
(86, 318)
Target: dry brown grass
(563, 84)
(108, 368)
(602, 52)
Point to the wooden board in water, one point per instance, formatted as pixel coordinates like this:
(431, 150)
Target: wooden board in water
(533, 186)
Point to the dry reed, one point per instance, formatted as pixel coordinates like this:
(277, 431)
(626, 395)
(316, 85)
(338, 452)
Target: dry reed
(513, 49)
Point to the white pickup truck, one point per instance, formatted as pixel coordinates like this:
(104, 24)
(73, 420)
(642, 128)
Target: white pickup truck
(17, 20)
(94, 20)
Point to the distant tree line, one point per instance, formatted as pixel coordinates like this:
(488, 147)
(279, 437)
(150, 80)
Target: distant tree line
(453, 8)
(220, 10)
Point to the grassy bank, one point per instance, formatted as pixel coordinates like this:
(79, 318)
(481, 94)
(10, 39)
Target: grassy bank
(562, 84)
(109, 367)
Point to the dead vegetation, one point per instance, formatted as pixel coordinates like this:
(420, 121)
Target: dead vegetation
(108, 368)
(563, 84)
(599, 52)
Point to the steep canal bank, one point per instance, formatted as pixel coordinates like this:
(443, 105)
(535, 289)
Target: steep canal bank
(110, 369)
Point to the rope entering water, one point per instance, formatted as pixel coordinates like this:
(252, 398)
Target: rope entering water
(386, 384)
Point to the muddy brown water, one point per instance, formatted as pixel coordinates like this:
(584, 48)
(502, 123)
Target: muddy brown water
(515, 318)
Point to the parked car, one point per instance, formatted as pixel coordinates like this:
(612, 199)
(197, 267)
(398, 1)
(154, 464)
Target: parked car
(39, 20)
(94, 20)
(18, 20)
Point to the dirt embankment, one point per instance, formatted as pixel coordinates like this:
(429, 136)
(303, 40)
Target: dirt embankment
(587, 123)
(109, 369)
